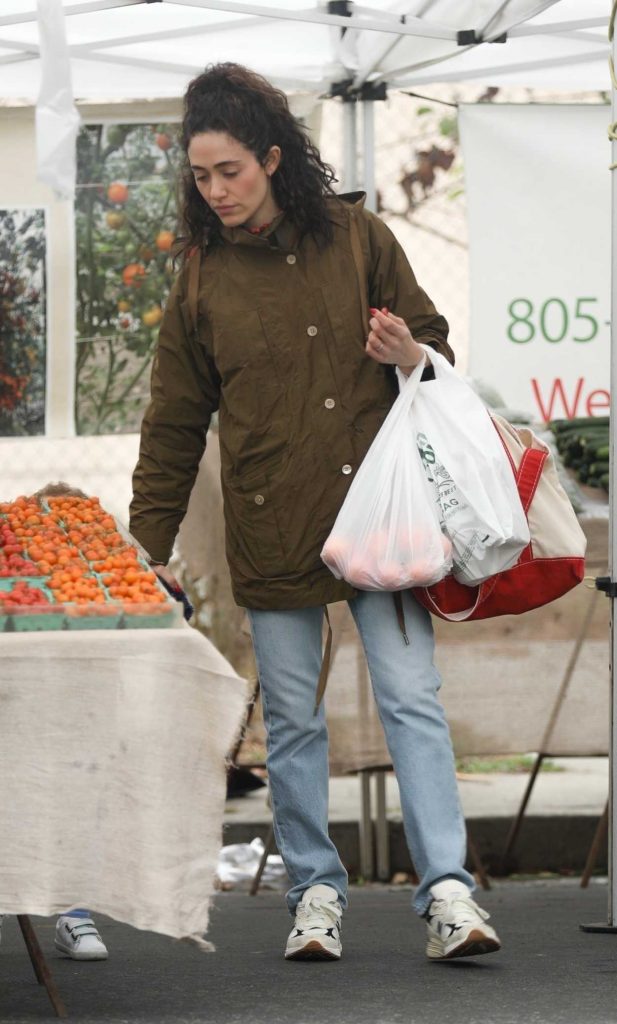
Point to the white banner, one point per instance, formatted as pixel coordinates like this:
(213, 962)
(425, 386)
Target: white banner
(538, 190)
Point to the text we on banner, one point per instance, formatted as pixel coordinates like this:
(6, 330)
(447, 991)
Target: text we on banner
(538, 190)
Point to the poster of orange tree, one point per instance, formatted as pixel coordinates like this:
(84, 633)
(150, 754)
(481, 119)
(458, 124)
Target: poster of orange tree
(22, 322)
(126, 218)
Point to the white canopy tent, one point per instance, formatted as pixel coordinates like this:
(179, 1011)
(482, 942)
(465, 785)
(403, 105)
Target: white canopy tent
(133, 49)
(126, 49)
(120, 50)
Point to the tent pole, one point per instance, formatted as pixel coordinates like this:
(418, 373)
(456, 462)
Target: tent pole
(612, 849)
(350, 146)
(609, 584)
(368, 128)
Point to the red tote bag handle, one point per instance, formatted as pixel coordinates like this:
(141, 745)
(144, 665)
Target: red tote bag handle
(527, 479)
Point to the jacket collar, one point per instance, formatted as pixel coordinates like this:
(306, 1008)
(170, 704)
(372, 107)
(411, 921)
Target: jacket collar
(283, 234)
(241, 236)
(337, 206)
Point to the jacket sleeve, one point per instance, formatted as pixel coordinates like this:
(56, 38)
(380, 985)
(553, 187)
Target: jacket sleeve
(185, 393)
(392, 283)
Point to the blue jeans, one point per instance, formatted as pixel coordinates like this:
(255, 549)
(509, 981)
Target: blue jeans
(288, 650)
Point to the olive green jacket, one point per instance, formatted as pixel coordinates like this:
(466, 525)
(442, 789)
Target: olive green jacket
(271, 331)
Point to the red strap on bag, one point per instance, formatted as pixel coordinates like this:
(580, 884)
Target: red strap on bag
(528, 475)
(530, 583)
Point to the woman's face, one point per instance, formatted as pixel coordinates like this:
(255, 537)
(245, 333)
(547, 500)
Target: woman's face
(232, 181)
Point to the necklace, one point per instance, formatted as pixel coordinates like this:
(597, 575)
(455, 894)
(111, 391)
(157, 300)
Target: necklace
(259, 230)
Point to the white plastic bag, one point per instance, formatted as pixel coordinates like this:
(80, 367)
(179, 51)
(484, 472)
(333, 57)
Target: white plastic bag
(387, 535)
(238, 863)
(466, 463)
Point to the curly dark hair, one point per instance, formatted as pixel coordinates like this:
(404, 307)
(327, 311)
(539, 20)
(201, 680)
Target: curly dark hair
(230, 98)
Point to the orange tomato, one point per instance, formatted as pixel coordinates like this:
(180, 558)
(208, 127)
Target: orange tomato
(132, 274)
(164, 240)
(117, 192)
(152, 316)
(114, 219)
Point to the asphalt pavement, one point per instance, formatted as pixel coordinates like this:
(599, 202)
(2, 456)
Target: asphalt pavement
(549, 971)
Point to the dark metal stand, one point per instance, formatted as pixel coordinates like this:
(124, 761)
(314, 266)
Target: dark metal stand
(518, 821)
(546, 739)
(602, 926)
(41, 970)
(478, 866)
(594, 849)
(269, 847)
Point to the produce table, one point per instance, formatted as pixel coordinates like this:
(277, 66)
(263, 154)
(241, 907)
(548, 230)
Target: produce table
(112, 747)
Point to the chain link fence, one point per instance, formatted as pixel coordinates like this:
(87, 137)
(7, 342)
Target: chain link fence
(420, 183)
(420, 194)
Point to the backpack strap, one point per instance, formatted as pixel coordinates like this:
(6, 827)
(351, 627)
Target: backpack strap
(325, 664)
(192, 291)
(358, 258)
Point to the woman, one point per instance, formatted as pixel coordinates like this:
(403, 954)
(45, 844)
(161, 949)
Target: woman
(268, 322)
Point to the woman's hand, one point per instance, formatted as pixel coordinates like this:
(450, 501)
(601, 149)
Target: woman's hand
(391, 341)
(167, 575)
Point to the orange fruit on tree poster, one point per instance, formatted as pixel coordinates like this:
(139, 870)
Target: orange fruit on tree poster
(117, 192)
(164, 240)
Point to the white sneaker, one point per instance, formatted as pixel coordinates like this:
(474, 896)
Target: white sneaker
(456, 925)
(317, 931)
(78, 938)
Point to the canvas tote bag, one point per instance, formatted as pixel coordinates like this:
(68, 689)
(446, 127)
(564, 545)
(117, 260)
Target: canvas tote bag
(551, 564)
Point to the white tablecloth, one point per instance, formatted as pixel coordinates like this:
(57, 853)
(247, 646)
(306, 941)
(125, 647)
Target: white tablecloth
(112, 747)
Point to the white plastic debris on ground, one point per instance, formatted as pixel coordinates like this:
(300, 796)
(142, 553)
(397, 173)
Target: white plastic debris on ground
(238, 863)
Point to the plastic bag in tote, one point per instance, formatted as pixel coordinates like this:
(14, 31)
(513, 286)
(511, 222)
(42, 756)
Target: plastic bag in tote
(553, 562)
(469, 469)
(387, 535)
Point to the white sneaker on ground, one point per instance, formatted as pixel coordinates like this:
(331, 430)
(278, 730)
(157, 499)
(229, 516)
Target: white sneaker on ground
(78, 938)
(316, 934)
(457, 925)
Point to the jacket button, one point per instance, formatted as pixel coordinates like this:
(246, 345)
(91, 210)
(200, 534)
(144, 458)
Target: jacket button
(259, 499)
(329, 403)
(291, 259)
(346, 469)
(311, 331)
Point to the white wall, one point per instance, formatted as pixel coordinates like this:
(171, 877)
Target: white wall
(19, 188)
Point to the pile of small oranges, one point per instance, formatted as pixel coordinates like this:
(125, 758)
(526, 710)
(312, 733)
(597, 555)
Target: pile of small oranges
(85, 562)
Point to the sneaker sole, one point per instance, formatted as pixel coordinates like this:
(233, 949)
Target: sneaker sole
(80, 956)
(313, 951)
(475, 944)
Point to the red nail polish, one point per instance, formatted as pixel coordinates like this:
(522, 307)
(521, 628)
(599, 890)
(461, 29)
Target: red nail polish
(373, 311)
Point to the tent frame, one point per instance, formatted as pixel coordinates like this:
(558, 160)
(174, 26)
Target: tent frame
(396, 26)
(608, 584)
(338, 13)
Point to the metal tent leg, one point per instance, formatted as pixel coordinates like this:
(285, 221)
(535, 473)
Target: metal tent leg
(594, 849)
(43, 974)
(477, 862)
(518, 821)
(269, 847)
(548, 732)
(366, 826)
(382, 836)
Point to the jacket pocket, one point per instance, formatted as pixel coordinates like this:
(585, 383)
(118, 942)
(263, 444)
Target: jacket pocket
(254, 543)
